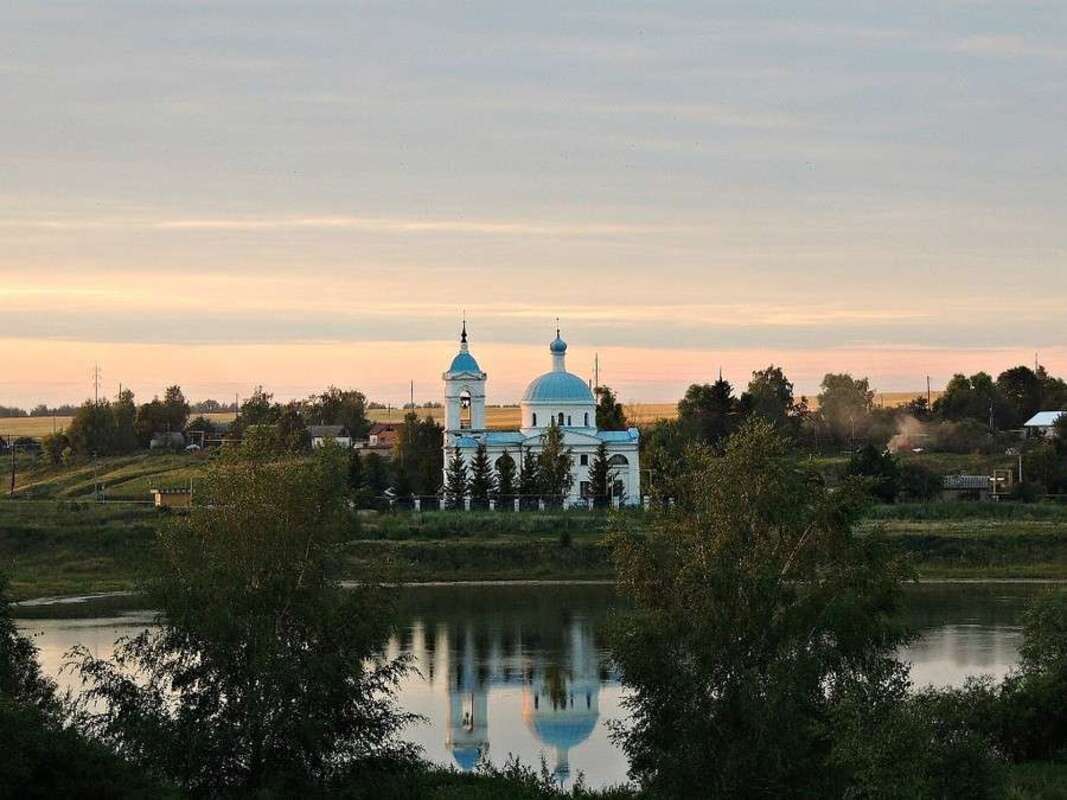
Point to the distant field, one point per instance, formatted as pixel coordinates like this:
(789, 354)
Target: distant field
(498, 417)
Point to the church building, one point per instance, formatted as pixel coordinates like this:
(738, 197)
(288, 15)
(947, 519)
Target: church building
(556, 398)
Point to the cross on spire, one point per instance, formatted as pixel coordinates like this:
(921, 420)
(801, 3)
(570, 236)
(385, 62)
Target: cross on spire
(463, 335)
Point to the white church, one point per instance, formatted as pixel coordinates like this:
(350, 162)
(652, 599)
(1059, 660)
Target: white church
(557, 397)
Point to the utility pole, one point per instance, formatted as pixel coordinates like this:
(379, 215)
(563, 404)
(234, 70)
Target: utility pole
(929, 402)
(413, 395)
(96, 384)
(12, 465)
(596, 370)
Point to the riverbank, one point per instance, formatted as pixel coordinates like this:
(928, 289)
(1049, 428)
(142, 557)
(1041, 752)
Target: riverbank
(67, 548)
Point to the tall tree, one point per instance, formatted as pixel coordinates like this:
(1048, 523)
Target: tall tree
(92, 430)
(258, 409)
(601, 477)
(706, 413)
(482, 481)
(456, 481)
(755, 608)
(346, 407)
(530, 483)
(554, 465)
(505, 478)
(293, 436)
(419, 453)
(175, 408)
(263, 676)
(844, 405)
(377, 478)
(125, 412)
(976, 398)
(1021, 390)
(770, 396)
(610, 415)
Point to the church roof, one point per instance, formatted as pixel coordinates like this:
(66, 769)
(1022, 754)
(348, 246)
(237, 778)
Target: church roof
(558, 387)
(464, 362)
(631, 435)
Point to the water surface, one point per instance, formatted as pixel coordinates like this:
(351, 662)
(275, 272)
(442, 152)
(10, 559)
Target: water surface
(522, 669)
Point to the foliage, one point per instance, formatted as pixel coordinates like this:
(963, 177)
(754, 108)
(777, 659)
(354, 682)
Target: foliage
(977, 398)
(258, 409)
(418, 455)
(554, 464)
(530, 480)
(600, 477)
(264, 673)
(844, 405)
(54, 445)
(707, 412)
(162, 416)
(505, 477)
(376, 472)
(292, 433)
(881, 467)
(663, 448)
(917, 482)
(609, 412)
(345, 407)
(756, 610)
(482, 484)
(456, 481)
(92, 430)
(770, 396)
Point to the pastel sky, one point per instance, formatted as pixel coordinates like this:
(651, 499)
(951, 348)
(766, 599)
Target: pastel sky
(243, 192)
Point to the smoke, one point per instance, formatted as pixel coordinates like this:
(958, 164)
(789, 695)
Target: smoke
(911, 434)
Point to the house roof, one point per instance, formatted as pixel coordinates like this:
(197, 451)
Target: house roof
(967, 482)
(1045, 419)
(384, 427)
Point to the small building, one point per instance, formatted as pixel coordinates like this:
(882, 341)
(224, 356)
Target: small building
(967, 487)
(173, 498)
(1043, 423)
(384, 434)
(338, 433)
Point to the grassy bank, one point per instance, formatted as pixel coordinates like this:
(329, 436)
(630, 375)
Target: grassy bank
(62, 547)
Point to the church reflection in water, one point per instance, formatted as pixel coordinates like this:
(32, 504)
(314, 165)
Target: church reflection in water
(547, 653)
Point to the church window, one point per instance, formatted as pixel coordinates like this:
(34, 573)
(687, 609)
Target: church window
(584, 460)
(535, 419)
(618, 460)
(587, 419)
(561, 419)
(568, 420)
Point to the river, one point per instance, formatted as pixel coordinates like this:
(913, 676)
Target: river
(521, 669)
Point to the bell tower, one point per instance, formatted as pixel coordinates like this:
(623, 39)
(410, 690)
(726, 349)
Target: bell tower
(464, 393)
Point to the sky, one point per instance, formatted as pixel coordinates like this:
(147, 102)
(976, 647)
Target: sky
(231, 193)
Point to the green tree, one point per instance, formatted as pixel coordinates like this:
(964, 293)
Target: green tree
(456, 481)
(770, 396)
(601, 477)
(554, 465)
(755, 609)
(259, 409)
(346, 407)
(377, 477)
(976, 398)
(419, 453)
(610, 415)
(293, 436)
(845, 405)
(175, 407)
(264, 675)
(880, 467)
(1021, 390)
(124, 411)
(505, 479)
(482, 480)
(663, 448)
(54, 445)
(530, 482)
(707, 413)
(92, 430)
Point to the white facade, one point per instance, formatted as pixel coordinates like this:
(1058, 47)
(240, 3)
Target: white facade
(556, 397)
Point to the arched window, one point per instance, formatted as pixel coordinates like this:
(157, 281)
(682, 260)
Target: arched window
(561, 419)
(587, 419)
(568, 420)
(618, 460)
(465, 409)
(535, 420)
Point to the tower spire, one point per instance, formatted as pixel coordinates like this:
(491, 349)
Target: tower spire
(463, 334)
(557, 327)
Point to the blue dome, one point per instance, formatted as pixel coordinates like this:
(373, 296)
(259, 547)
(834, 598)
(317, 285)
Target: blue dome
(464, 362)
(467, 758)
(557, 345)
(558, 387)
(564, 733)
